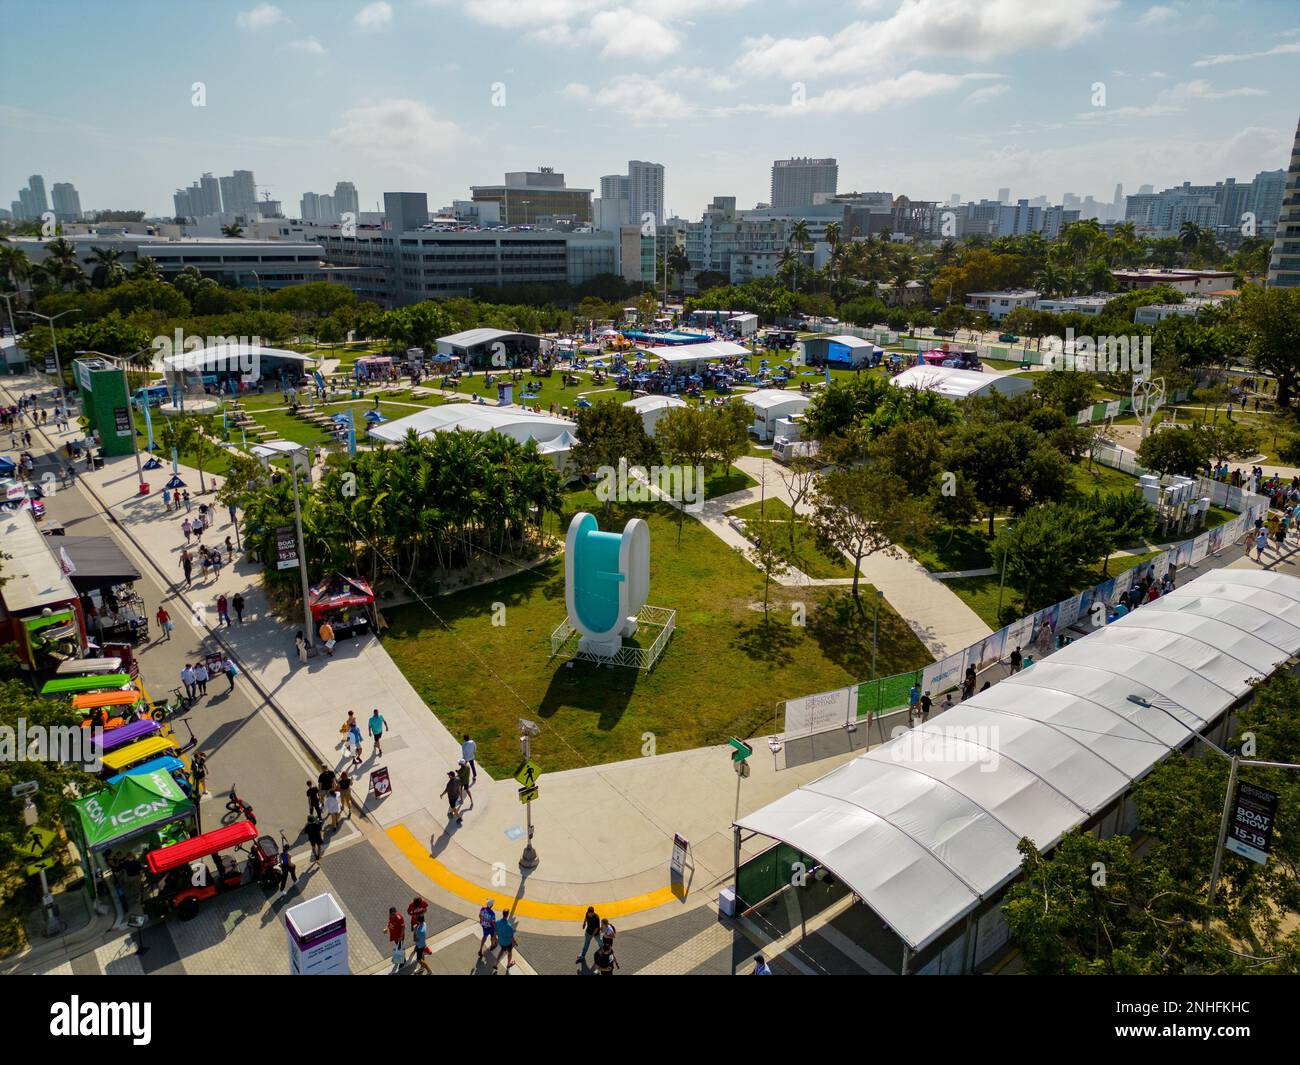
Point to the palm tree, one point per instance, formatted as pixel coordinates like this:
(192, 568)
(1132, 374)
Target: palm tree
(61, 252)
(146, 269)
(798, 240)
(108, 270)
(1189, 236)
(679, 263)
(1049, 280)
(234, 230)
(833, 234)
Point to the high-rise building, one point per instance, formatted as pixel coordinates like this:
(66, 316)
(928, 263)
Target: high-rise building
(346, 199)
(309, 207)
(67, 204)
(182, 205)
(1284, 265)
(16, 209)
(1004, 195)
(1266, 194)
(1146, 190)
(25, 203)
(211, 194)
(39, 203)
(796, 182)
(327, 208)
(646, 191)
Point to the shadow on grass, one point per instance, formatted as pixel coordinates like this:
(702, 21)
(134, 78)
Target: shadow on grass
(842, 627)
(603, 690)
(767, 640)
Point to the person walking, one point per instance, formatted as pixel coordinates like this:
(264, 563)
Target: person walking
(487, 922)
(333, 807)
(396, 929)
(191, 684)
(604, 961)
(238, 604)
(416, 908)
(468, 749)
(187, 529)
(607, 933)
(590, 931)
(223, 610)
(377, 725)
(420, 935)
(345, 792)
(354, 741)
(1261, 542)
(187, 565)
(453, 793)
(231, 671)
(463, 775)
(924, 705)
(327, 637)
(1017, 659)
(505, 942)
(300, 642)
(313, 800)
(164, 622)
(185, 497)
(201, 678)
(761, 968)
(199, 769)
(167, 499)
(315, 829)
(287, 869)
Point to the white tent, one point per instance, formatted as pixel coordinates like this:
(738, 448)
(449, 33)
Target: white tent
(690, 356)
(952, 383)
(652, 408)
(771, 405)
(924, 833)
(514, 422)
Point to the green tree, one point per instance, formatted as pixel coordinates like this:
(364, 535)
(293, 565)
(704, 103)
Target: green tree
(1174, 451)
(1049, 551)
(764, 551)
(1006, 465)
(607, 433)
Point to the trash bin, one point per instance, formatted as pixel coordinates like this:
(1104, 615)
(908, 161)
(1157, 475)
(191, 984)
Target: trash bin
(98, 461)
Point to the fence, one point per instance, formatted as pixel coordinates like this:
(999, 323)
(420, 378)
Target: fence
(811, 714)
(630, 655)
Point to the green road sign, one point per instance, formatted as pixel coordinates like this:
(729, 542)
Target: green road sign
(527, 773)
(35, 842)
(743, 749)
(528, 794)
(44, 863)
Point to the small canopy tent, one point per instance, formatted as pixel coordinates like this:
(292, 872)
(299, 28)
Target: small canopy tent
(135, 805)
(338, 597)
(97, 562)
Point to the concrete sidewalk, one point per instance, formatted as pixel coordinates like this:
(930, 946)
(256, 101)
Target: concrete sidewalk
(604, 834)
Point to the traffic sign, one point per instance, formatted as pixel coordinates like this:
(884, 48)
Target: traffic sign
(528, 772)
(528, 794)
(743, 749)
(35, 843)
(43, 863)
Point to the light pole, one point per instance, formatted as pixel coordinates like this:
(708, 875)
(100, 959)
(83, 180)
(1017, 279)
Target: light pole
(1235, 761)
(1002, 580)
(527, 730)
(7, 296)
(258, 278)
(53, 923)
(58, 367)
(302, 549)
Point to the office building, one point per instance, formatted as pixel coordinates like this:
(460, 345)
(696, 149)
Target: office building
(67, 203)
(645, 191)
(1004, 195)
(529, 198)
(309, 207)
(1284, 265)
(346, 199)
(740, 248)
(40, 204)
(797, 182)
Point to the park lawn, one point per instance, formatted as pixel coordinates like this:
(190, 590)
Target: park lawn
(1100, 478)
(722, 673)
(721, 482)
(808, 554)
(951, 548)
(216, 466)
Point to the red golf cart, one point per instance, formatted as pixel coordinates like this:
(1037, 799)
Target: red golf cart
(189, 878)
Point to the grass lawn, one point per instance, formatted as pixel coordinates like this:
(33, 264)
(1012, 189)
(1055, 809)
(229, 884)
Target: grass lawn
(720, 482)
(722, 673)
(807, 554)
(952, 549)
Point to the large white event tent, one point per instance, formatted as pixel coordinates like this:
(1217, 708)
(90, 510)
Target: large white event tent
(516, 422)
(925, 834)
(682, 357)
(952, 383)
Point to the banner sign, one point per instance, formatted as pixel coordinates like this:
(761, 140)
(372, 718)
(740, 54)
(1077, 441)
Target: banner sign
(122, 421)
(286, 547)
(1253, 814)
(816, 713)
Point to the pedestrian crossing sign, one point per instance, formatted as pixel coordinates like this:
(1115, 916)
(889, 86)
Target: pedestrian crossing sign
(35, 842)
(528, 772)
(528, 794)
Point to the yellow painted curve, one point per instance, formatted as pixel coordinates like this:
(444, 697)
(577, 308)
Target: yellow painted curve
(544, 911)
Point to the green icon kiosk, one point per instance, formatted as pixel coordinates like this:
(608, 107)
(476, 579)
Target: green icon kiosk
(106, 404)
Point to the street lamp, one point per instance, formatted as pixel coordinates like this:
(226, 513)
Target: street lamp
(527, 730)
(7, 296)
(58, 367)
(258, 278)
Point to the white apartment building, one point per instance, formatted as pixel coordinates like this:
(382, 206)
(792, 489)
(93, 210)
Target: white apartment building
(997, 305)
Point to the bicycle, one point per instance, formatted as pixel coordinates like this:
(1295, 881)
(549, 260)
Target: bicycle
(238, 807)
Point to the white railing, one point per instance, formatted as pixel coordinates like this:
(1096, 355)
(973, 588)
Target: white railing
(630, 655)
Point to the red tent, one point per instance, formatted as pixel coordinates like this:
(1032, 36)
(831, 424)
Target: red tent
(338, 592)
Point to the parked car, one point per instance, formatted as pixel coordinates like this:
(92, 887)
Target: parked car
(1008, 338)
(945, 333)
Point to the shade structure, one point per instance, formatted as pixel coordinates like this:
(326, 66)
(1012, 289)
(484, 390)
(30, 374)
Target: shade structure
(197, 848)
(516, 422)
(955, 384)
(98, 562)
(133, 805)
(924, 828)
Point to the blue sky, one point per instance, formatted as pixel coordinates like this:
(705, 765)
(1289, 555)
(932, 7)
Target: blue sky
(923, 97)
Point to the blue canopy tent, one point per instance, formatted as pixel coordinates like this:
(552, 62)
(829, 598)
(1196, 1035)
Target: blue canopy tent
(174, 482)
(374, 417)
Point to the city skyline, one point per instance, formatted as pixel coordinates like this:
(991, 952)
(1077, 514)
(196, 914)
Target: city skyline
(714, 93)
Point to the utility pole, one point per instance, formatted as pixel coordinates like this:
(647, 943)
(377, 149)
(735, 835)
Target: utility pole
(302, 550)
(58, 366)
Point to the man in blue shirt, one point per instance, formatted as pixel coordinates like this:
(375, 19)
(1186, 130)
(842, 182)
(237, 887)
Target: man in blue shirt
(377, 726)
(506, 941)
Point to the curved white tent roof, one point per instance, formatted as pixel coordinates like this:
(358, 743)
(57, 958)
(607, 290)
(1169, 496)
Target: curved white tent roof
(765, 399)
(925, 827)
(230, 355)
(515, 422)
(645, 404)
(952, 383)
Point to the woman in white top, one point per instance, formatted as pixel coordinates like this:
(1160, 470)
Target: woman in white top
(333, 806)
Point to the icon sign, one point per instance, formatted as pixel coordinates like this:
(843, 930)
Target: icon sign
(527, 795)
(35, 843)
(528, 772)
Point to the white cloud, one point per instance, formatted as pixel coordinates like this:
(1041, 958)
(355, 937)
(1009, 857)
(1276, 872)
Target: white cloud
(261, 17)
(879, 94)
(956, 29)
(310, 45)
(987, 93)
(400, 133)
(630, 35)
(376, 16)
(1241, 57)
(1188, 91)
(704, 77)
(1155, 16)
(641, 98)
(1169, 102)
